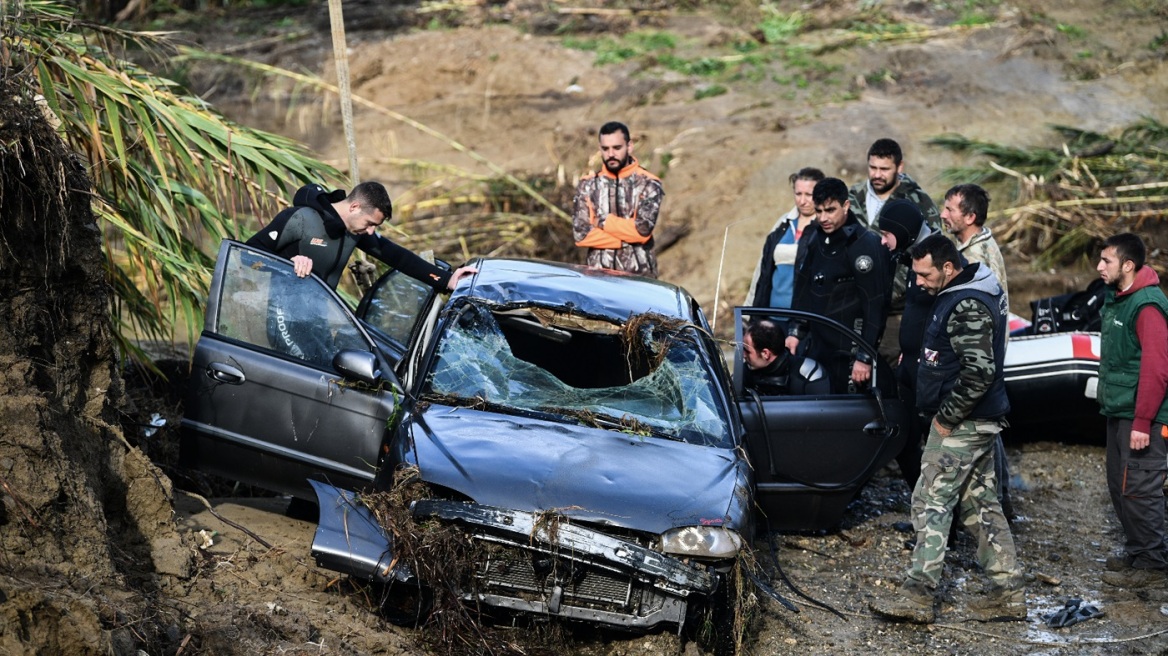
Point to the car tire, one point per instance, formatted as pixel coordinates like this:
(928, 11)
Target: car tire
(712, 623)
(407, 604)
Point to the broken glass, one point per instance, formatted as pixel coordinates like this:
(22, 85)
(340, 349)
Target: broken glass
(675, 397)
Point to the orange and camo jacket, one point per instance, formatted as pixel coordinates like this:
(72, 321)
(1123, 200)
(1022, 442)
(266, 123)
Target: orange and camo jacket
(613, 210)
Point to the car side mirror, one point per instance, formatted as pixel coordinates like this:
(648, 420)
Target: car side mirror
(358, 365)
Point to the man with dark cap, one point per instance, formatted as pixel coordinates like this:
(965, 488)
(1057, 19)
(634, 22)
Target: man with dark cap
(842, 276)
(902, 225)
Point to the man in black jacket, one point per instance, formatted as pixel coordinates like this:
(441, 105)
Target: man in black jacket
(321, 230)
(772, 371)
(842, 276)
(318, 234)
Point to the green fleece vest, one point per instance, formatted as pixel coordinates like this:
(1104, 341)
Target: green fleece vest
(1119, 361)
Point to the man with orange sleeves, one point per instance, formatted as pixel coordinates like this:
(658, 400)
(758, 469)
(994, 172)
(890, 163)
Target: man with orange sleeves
(616, 208)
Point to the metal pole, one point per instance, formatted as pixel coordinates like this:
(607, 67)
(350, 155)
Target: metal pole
(721, 261)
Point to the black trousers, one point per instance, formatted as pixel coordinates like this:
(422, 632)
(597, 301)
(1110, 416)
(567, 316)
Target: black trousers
(1135, 480)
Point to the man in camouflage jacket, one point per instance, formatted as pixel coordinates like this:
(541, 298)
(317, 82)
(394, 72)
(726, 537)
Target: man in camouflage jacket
(960, 384)
(886, 181)
(615, 208)
(964, 214)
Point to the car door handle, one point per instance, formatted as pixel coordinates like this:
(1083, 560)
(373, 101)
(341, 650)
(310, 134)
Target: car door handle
(876, 428)
(225, 373)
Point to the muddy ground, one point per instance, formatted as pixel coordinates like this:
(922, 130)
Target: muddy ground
(522, 99)
(1064, 531)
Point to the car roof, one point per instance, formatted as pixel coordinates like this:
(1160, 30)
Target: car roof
(592, 292)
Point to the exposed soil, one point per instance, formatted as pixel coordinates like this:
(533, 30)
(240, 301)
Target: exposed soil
(95, 562)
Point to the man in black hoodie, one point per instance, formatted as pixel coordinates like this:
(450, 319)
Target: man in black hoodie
(318, 234)
(321, 229)
(901, 226)
(843, 276)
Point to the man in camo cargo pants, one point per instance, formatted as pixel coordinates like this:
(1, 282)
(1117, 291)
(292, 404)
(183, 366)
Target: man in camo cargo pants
(960, 385)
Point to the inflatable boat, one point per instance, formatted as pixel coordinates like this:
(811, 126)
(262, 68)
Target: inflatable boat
(1052, 361)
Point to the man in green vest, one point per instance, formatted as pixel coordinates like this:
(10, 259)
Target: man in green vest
(1133, 380)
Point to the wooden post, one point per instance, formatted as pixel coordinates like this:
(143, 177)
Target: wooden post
(341, 55)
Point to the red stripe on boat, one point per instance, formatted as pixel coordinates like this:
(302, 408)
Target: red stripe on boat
(1081, 347)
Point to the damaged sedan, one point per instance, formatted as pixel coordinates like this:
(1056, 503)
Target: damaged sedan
(537, 390)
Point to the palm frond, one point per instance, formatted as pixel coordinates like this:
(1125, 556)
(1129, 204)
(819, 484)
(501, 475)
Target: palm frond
(172, 176)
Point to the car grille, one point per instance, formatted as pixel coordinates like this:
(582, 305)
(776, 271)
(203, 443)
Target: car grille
(512, 572)
(533, 575)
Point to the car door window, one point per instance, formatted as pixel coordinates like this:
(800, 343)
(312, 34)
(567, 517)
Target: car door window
(264, 303)
(394, 305)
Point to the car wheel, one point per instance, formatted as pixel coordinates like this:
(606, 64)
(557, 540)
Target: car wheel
(713, 623)
(407, 604)
(1002, 471)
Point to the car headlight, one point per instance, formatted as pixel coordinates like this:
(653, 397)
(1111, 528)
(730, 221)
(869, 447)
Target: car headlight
(702, 542)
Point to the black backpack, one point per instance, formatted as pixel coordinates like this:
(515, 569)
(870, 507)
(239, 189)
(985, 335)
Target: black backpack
(1068, 312)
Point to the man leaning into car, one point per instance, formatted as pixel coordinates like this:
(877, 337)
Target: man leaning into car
(772, 371)
(318, 233)
(322, 228)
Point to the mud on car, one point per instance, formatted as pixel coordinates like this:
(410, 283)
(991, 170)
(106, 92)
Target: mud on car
(535, 389)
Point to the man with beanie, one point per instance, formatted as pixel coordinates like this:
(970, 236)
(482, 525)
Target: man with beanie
(842, 276)
(1133, 383)
(901, 226)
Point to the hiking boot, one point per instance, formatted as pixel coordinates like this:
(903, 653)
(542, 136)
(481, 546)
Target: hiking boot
(1136, 578)
(1117, 563)
(1000, 605)
(913, 603)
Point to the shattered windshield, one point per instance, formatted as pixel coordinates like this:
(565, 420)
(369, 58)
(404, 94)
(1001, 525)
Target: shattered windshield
(647, 377)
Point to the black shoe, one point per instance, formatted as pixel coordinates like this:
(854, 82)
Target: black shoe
(1117, 563)
(1133, 578)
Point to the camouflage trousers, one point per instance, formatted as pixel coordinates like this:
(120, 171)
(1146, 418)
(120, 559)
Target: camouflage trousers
(957, 474)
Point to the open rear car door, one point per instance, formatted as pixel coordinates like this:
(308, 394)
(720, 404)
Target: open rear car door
(812, 454)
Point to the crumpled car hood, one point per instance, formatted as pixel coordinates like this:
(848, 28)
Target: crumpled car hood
(590, 474)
